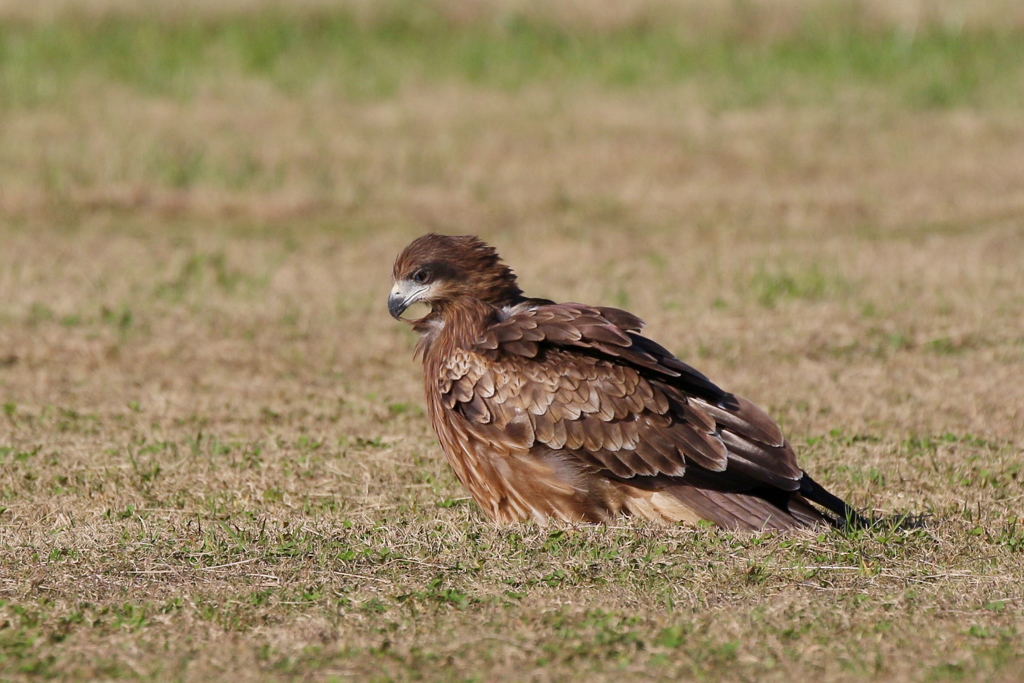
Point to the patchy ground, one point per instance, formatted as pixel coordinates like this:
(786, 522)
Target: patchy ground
(214, 455)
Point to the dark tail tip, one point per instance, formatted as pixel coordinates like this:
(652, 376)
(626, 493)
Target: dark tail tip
(847, 516)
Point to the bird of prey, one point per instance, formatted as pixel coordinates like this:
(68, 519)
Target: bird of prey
(565, 411)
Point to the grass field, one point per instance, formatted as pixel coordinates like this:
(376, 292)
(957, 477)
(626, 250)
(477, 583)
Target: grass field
(215, 459)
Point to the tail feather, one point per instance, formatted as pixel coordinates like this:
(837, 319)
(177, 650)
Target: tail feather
(737, 506)
(748, 511)
(816, 493)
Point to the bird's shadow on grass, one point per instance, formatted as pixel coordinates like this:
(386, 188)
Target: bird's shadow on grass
(897, 521)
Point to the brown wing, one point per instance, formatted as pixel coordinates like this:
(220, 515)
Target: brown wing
(579, 379)
(604, 331)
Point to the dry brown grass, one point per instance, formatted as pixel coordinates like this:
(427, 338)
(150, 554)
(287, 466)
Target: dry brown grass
(214, 458)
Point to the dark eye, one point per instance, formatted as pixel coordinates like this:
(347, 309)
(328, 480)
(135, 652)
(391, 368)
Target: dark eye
(420, 276)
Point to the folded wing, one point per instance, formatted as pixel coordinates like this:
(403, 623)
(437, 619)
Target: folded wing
(581, 380)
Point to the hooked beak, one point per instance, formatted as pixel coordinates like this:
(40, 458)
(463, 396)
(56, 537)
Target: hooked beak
(402, 296)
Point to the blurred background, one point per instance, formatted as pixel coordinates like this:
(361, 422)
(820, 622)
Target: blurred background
(813, 186)
(819, 203)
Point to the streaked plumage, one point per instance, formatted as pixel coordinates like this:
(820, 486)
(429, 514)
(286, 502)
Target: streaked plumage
(565, 411)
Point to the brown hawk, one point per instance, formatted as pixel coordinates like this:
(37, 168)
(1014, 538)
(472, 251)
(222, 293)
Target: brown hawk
(566, 411)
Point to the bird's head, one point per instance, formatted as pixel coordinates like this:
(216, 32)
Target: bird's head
(441, 270)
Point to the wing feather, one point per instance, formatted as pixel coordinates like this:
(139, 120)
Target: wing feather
(770, 464)
(559, 334)
(576, 379)
(574, 435)
(485, 385)
(527, 349)
(559, 434)
(544, 427)
(621, 319)
(621, 465)
(648, 459)
(747, 420)
(476, 410)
